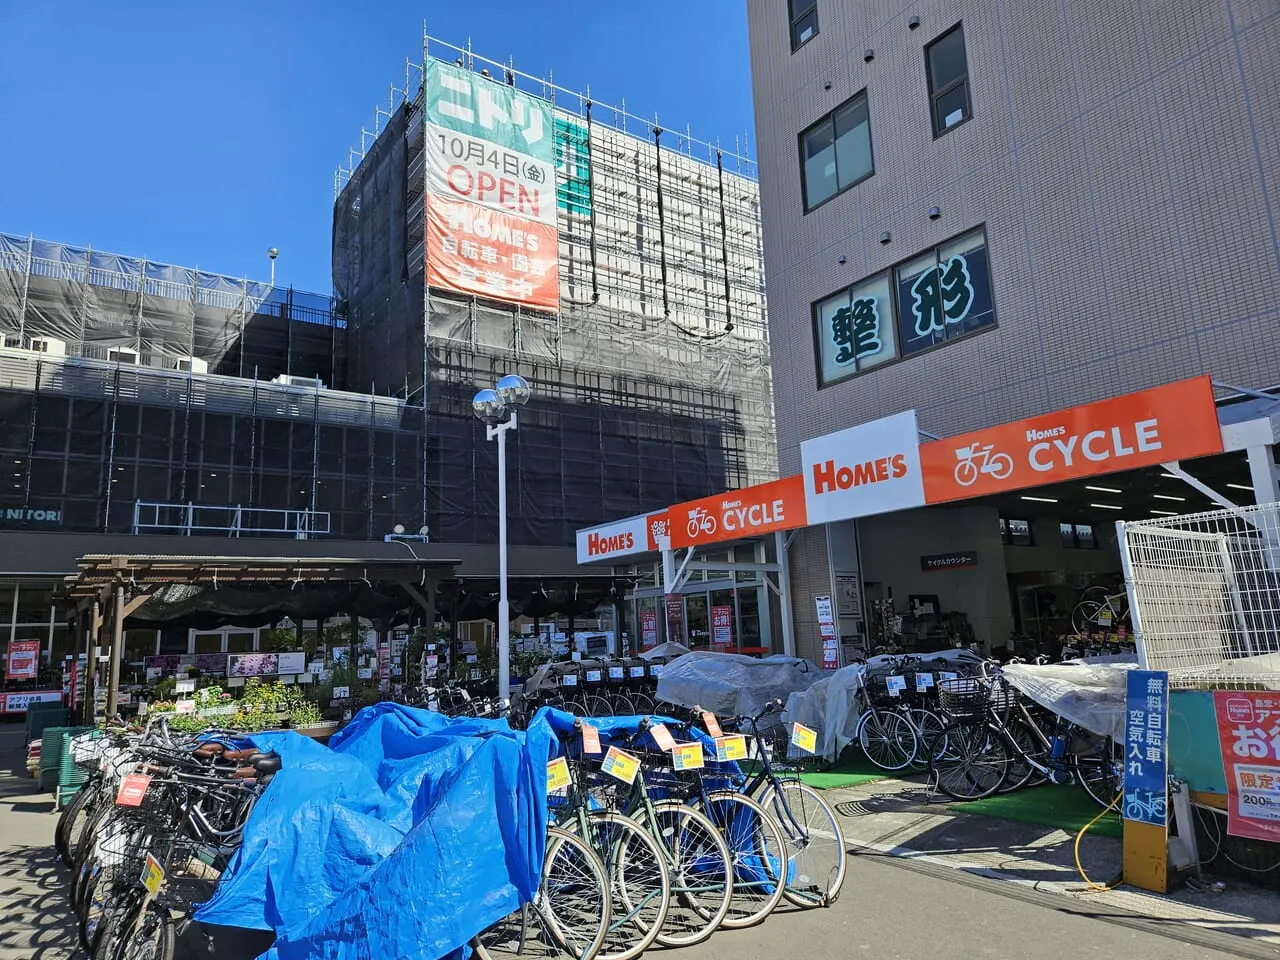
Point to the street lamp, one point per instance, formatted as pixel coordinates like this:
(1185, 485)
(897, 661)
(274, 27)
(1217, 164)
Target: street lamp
(272, 253)
(497, 408)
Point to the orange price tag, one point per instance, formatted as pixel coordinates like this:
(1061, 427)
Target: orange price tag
(132, 789)
(662, 737)
(712, 724)
(590, 739)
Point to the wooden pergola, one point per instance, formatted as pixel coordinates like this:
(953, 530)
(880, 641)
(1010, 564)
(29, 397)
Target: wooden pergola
(108, 589)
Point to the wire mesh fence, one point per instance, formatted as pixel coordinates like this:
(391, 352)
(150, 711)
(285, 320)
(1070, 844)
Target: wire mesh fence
(1205, 594)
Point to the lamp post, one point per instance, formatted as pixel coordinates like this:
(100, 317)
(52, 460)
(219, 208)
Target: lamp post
(496, 406)
(271, 255)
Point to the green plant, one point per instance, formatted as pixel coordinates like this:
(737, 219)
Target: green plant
(304, 714)
(278, 639)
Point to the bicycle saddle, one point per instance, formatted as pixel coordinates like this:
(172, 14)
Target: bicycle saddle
(266, 762)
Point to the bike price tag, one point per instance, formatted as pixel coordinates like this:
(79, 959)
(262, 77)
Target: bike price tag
(617, 673)
(132, 789)
(593, 676)
(621, 765)
(806, 738)
(662, 737)
(688, 756)
(731, 748)
(637, 673)
(475, 674)
(711, 724)
(152, 875)
(923, 682)
(1104, 618)
(946, 675)
(655, 670)
(569, 680)
(895, 685)
(557, 774)
(590, 739)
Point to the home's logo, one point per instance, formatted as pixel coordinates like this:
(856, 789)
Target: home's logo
(828, 478)
(599, 546)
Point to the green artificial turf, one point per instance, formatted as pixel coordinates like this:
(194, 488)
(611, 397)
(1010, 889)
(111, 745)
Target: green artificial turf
(1066, 807)
(852, 769)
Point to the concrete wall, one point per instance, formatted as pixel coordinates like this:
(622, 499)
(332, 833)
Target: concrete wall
(1121, 155)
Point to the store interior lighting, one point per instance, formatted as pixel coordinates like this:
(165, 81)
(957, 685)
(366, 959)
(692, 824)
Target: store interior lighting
(1041, 499)
(1240, 486)
(1168, 496)
(1103, 489)
(1105, 506)
(1164, 513)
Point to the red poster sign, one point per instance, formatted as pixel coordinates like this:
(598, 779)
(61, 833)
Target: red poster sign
(766, 507)
(480, 251)
(132, 789)
(648, 629)
(721, 627)
(675, 618)
(1249, 728)
(24, 659)
(1177, 421)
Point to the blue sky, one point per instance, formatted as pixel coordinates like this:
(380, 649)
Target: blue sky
(201, 134)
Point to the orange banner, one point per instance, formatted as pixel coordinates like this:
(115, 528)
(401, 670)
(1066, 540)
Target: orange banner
(1174, 422)
(477, 250)
(777, 505)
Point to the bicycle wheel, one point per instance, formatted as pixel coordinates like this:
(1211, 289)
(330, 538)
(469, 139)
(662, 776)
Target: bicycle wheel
(74, 818)
(1022, 773)
(597, 706)
(758, 852)
(569, 917)
(1084, 616)
(815, 842)
(641, 703)
(640, 883)
(975, 764)
(1099, 768)
(887, 739)
(621, 703)
(150, 935)
(701, 873)
(932, 731)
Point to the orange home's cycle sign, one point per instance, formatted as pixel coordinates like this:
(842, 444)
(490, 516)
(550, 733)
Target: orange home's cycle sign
(764, 508)
(1174, 422)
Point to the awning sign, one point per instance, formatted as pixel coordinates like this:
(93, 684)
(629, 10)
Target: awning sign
(1177, 421)
(868, 469)
(749, 512)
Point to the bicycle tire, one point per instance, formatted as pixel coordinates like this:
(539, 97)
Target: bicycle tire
(496, 943)
(1096, 771)
(639, 896)
(815, 843)
(1021, 772)
(1083, 615)
(622, 704)
(148, 927)
(758, 852)
(596, 705)
(685, 832)
(931, 730)
(971, 747)
(887, 739)
(642, 704)
(76, 810)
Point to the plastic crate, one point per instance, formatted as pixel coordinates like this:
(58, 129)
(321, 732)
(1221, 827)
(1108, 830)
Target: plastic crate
(41, 716)
(53, 746)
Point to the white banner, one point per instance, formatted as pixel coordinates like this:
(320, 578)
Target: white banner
(464, 167)
(611, 540)
(864, 470)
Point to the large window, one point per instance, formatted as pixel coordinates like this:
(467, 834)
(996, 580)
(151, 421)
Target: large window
(944, 294)
(804, 22)
(948, 69)
(835, 152)
(927, 301)
(855, 329)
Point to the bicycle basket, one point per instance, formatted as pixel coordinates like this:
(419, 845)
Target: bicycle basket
(785, 756)
(974, 696)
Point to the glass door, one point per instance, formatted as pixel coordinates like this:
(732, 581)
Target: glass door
(696, 618)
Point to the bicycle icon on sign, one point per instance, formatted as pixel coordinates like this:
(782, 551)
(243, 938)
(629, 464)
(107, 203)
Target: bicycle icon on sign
(701, 521)
(977, 460)
(1151, 808)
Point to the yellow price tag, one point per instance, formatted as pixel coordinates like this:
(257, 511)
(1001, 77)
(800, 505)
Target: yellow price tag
(731, 748)
(152, 875)
(557, 774)
(621, 765)
(804, 738)
(688, 756)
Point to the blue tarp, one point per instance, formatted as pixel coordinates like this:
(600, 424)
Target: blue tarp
(406, 837)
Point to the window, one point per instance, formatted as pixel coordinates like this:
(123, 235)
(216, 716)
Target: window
(948, 69)
(1016, 533)
(835, 152)
(804, 22)
(1078, 536)
(931, 299)
(944, 294)
(855, 330)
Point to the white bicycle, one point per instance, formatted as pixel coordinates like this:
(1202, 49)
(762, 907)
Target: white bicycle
(977, 459)
(701, 521)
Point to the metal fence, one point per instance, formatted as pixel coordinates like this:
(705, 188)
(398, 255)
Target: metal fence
(1205, 595)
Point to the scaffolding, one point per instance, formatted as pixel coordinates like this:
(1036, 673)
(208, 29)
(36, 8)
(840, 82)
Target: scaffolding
(658, 355)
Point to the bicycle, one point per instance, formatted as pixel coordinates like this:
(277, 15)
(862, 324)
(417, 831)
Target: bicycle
(893, 737)
(1112, 610)
(701, 522)
(815, 842)
(977, 459)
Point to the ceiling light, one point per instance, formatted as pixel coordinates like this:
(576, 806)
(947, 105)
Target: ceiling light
(1164, 513)
(1233, 486)
(1106, 506)
(1171, 476)
(1166, 496)
(1104, 489)
(1041, 499)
